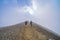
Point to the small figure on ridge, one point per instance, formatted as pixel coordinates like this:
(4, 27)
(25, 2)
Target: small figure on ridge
(26, 22)
(31, 23)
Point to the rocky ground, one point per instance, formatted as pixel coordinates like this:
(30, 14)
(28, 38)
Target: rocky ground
(22, 32)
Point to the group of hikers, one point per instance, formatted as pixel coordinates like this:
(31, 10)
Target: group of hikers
(26, 22)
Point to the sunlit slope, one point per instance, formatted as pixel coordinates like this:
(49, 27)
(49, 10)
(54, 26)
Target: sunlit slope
(25, 32)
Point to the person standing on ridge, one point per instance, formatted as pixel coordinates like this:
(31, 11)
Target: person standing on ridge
(26, 22)
(31, 23)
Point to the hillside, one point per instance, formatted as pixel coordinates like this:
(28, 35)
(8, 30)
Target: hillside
(25, 32)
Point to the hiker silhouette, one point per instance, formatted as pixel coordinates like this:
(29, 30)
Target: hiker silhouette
(31, 23)
(26, 22)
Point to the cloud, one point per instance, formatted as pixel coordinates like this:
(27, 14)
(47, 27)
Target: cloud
(42, 7)
(46, 14)
(13, 13)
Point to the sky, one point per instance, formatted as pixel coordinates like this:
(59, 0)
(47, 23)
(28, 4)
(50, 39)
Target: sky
(42, 12)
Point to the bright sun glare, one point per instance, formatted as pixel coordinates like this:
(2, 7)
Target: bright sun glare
(30, 10)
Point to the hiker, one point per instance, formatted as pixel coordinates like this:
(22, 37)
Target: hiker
(25, 22)
(31, 23)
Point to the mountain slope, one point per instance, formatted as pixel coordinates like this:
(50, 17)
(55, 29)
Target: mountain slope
(26, 32)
